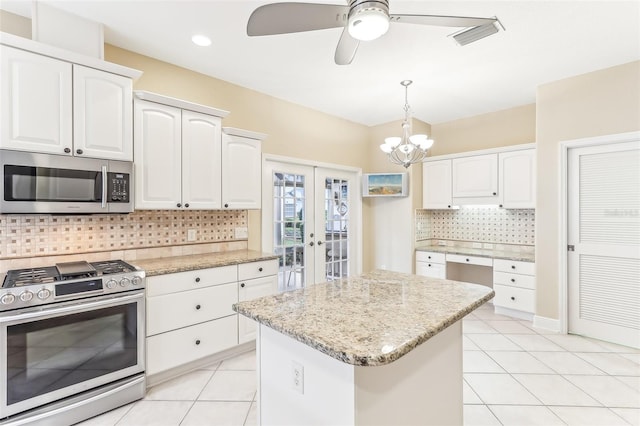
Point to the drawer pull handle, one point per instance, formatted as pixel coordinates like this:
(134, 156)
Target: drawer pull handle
(429, 265)
(513, 266)
(513, 298)
(197, 341)
(513, 280)
(259, 269)
(198, 279)
(198, 307)
(449, 206)
(495, 193)
(428, 257)
(467, 260)
(242, 285)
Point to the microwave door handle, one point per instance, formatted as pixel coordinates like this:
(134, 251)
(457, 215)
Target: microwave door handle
(104, 187)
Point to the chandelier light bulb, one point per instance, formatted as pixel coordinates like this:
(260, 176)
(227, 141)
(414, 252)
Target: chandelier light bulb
(368, 24)
(393, 141)
(386, 148)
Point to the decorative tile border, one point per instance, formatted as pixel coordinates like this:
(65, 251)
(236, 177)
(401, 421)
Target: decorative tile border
(479, 224)
(47, 235)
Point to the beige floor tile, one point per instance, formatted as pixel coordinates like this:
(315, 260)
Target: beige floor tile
(519, 362)
(156, 413)
(566, 363)
(230, 386)
(245, 361)
(608, 390)
(183, 388)
(477, 327)
(553, 389)
(574, 343)
(493, 342)
(612, 347)
(216, 413)
(489, 314)
(631, 415)
(468, 345)
(533, 342)
(468, 395)
(479, 362)
(588, 416)
(632, 381)
(523, 415)
(612, 363)
(500, 389)
(479, 415)
(252, 417)
(510, 327)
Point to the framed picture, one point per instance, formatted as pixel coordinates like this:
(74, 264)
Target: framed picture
(385, 185)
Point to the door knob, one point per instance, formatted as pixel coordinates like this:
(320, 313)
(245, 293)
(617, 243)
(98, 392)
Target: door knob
(319, 243)
(79, 151)
(311, 244)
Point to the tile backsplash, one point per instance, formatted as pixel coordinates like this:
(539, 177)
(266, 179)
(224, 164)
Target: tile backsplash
(478, 224)
(50, 235)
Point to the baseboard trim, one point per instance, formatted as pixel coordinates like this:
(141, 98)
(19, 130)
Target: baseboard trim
(546, 323)
(513, 313)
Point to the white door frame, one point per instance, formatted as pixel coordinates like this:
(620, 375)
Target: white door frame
(357, 209)
(565, 146)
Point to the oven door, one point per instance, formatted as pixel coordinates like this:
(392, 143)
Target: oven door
(60, 350)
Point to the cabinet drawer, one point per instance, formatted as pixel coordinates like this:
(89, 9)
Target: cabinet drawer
(168, 350)
(471, 260)
(520, 299)
(516, 280)
(190, 280)
(263, 268)
(177, 310)
(528, 268)
(434, 270)
(430, 256)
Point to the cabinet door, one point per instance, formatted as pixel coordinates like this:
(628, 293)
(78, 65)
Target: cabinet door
(252, 289)
(102, 114)
(36, 102)
(241, 172)
(518, 179)
(433, 270)
(157, 146)
(436, 185)
(201, 154)
(475, 176)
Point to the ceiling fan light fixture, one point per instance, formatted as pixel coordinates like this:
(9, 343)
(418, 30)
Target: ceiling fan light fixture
(470, 35)
(368, 24)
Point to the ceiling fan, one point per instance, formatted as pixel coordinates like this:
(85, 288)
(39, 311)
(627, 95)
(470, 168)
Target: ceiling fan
(363, 20)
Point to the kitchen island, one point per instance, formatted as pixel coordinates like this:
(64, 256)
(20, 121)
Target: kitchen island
(381, 348)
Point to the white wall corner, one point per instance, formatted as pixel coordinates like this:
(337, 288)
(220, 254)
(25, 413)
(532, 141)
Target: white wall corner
(551, 324)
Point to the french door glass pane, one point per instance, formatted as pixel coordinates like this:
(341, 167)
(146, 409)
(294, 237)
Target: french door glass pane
(336, 207)
(289, 224)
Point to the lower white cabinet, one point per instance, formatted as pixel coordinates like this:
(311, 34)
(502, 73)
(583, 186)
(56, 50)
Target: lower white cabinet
(431, 264)
(253, 289)
(515, 285)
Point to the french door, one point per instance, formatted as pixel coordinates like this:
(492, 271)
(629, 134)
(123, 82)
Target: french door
(310, 221)
(604, 242)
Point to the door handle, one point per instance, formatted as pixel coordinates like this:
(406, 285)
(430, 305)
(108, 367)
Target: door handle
(311, 244)
(319, 243)
(103, 203)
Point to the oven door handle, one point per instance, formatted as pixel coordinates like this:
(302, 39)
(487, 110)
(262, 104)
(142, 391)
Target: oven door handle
(104, 187)
(77, 307)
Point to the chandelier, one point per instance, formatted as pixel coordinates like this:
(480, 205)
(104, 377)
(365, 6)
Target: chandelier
(409, 148)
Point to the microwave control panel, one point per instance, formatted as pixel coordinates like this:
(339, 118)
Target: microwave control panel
(118, 187)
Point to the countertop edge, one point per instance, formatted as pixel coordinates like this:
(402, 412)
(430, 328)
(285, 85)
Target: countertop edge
(477, 252)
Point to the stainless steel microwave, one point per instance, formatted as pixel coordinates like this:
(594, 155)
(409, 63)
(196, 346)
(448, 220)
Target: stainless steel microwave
(47, 183)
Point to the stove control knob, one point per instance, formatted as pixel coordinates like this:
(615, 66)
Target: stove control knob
(136, 280)
(7, 299)
(125, 282)
(26, 296)
(44, 294)
(111, 283)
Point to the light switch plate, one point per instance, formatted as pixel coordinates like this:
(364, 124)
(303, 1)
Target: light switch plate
(297, 377)
(191, 234)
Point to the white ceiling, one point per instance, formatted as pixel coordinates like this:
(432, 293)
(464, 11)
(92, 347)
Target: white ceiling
(544, 41)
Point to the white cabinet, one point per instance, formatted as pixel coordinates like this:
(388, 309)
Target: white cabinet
(436, 185)
(53, 106)
(431, 264)
(256, 279)
(177, 157)
(515, 286)
(517, 188)
(241, 169)
(475, 179)
(102, 114)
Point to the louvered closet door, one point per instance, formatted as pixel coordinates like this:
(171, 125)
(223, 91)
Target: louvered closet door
(604, 227)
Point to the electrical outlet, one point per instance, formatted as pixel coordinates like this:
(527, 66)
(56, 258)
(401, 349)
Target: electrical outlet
(191, 234)
(297, 376)
(442, 243)
(241, 232)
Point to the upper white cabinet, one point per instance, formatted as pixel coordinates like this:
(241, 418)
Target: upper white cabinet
(241, 168)
(475, 179)
(517, 179)
(436, 185)
(55, 106)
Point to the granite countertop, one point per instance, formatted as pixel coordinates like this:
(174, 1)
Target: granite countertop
(371, 319)
(521, 256)
(169, 265)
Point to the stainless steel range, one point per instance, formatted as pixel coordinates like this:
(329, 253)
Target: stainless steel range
(72, 341)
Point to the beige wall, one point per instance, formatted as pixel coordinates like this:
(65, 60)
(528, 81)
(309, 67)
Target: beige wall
(15, 24)
(511, 126)
(594, 104)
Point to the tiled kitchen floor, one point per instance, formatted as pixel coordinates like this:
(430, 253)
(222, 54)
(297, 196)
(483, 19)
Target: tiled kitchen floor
(513, 375)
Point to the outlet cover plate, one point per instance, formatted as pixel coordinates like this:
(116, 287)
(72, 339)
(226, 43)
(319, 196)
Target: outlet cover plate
(241, 232)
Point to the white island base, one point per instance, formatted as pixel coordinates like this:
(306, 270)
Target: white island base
(424, 387)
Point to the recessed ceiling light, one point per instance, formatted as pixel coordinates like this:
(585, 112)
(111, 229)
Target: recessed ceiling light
(201, 40)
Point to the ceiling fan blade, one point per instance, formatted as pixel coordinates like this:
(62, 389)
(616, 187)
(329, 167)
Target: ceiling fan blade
(282, 18)
(346, 49)
(442, 21)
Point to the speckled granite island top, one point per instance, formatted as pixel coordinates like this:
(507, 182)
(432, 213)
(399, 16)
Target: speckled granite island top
(371, 319)
(480, 252)
(169, 265)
